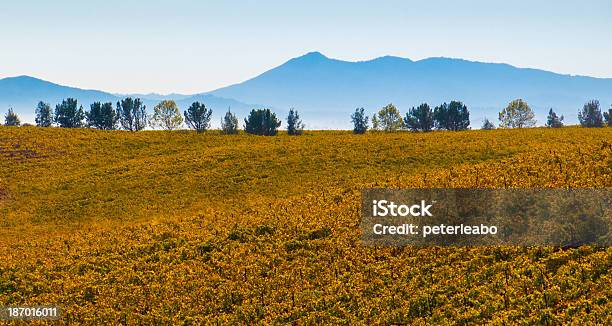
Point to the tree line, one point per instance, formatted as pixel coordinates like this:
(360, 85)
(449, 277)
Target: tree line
(131, 114)
(455, 116)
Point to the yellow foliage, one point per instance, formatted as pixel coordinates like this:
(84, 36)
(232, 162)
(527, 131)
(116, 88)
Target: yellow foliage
(185, 228)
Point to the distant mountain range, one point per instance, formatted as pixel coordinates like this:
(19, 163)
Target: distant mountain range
(326, 91)
(23, 94)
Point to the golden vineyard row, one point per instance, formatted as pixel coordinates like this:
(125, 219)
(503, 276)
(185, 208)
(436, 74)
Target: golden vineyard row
(179, 228)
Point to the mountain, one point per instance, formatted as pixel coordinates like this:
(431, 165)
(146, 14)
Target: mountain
(326, 91)
(22, 93)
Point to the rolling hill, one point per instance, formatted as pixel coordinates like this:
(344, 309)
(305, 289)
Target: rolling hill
(179, 228)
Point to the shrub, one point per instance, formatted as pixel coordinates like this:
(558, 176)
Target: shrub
(487, 125)
(11, 118)
(553, 121)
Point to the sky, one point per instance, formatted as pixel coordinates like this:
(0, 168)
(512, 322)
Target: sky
(189, 46)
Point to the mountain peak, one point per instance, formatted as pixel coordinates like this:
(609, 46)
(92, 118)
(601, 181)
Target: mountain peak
(23, 78)
(314, 55)
(390, 59)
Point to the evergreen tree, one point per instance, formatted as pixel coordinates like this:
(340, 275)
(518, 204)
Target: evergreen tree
(132, 114)
(229, 124)
(517, 114)
(590, 116)
(102, 116)
(553, 121)
(360, 121)
(197, 117)
(608, 117)
(67, 115)
(11, 118)
(44, 116)
(419, 118)
(294, 123)
(453, 116)
(487, 125)
(262, 122)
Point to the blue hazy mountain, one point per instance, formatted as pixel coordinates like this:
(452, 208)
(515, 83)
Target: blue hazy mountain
(326, 91)
(22, 93)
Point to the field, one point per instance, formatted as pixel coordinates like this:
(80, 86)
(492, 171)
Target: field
(182, 228)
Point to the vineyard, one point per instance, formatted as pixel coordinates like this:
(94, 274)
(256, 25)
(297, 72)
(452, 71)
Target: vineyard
(158, 227)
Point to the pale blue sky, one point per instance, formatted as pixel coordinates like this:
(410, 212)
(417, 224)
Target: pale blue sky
(195, 46)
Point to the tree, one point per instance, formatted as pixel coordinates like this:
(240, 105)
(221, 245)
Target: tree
(388, 119)
(101, 116)
(375, 122)
(453, 116)
(419, 118)
(517, 114)
(197, 117)
(553, 121)
(487, 125)
(590, 115)
(11, 118)
(67, 115)
(608, 117)
(229, 124)
(294, 123)
(261, 122)
(360, 121)
(167, 115)
(44, 116)
(132, 114)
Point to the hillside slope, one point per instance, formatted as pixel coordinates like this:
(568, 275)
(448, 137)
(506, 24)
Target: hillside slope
(180, 228)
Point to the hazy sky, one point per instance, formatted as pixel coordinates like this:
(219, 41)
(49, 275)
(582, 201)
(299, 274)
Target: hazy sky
(195, 46)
